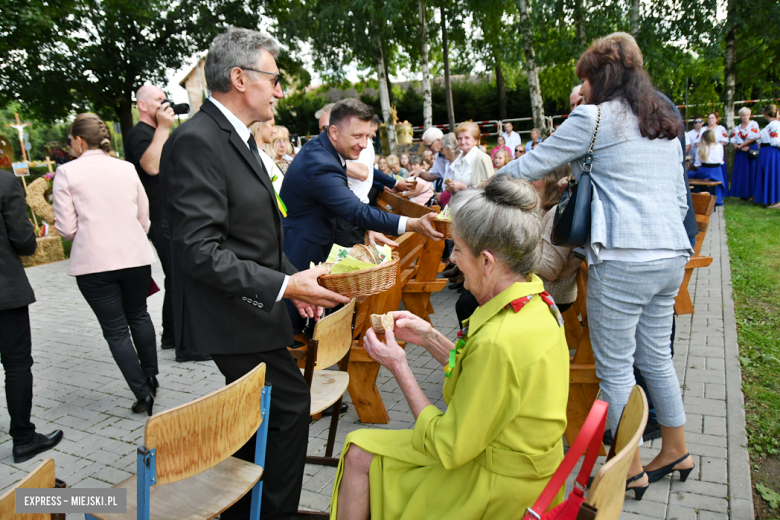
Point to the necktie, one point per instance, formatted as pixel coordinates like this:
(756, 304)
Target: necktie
(253, 146)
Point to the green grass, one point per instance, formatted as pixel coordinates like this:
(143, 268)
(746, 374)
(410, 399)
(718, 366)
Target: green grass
(754, 247)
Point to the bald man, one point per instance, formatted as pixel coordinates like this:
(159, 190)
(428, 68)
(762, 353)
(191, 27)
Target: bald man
(575, 98)
(143, 147)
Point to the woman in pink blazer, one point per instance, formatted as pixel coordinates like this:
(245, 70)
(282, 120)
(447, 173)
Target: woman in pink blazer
(100, 204)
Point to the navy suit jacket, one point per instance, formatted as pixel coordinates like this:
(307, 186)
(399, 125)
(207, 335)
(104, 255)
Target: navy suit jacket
(382, 179)
(316, 194)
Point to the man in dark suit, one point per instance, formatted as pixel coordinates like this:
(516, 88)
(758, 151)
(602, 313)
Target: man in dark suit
(316, 192)
(230, 273)
(17, 237)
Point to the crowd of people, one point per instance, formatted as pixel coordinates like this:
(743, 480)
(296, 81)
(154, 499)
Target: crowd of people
(240, 220)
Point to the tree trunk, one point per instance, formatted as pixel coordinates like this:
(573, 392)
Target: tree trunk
(385, 58)
(535, 89)
(579, 21)
(447, 84)
(124, 111)
(730, 65)
(384, 97)
(634, 17)
(500, 87)
(426, 74)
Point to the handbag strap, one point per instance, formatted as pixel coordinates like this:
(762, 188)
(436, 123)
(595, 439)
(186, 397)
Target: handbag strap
(588, 166)
(590, 437)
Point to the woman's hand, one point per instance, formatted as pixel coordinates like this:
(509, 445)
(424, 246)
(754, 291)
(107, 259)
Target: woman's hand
(409, 327)
(455, 186)
(388, 354)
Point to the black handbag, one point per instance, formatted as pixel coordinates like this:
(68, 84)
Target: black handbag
(571, 225)
(752, 154)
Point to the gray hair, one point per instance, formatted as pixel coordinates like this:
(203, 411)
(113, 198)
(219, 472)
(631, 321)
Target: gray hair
(745, 111)
(451, 142)
(324, 110)
(236, 47)
(503, 218)
(430, 135)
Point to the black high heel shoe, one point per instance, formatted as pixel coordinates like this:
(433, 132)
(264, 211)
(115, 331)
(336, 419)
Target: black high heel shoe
(153, 385)
(657, 474)
(143, 405)
(639, 491)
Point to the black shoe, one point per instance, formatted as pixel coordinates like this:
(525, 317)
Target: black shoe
(327, 412)
(451, 272)
(660, 473)
(188, 355)
(607, 439)
(143, 405)
(639, 491)
(455, 285)
(153, 385)
(652, 431)
(167, 344)
(39, 444)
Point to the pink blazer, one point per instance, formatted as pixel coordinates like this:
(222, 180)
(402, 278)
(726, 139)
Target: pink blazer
(100, 204)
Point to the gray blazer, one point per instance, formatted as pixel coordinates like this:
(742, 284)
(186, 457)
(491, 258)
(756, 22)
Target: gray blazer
(17, 237)
(639, 195)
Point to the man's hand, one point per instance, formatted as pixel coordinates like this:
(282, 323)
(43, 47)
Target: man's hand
(375, 236)
(165, 117)
(307, 310)
(303, 287)
(402, 185)
(424, 226)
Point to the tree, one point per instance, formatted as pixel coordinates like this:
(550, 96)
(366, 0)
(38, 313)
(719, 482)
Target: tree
(59, 56)
(537, 102)
(447, 82)
(426, 75)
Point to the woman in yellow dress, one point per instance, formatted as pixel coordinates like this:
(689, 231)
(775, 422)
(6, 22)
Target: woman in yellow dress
(494, 449)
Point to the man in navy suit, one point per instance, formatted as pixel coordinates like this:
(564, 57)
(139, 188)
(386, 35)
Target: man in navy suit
(316, 193)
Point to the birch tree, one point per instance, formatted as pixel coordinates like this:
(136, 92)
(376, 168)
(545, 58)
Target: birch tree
(426, 75)
(537, 102)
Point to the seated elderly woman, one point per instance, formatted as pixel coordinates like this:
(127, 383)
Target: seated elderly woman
(494, 449)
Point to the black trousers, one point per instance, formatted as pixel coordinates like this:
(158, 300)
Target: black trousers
(118, 299)
(16, 357)
(467, 304)
(288, 432)
(348, 234)
(160, 235)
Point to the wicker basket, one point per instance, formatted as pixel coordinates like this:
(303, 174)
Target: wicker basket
(443, 226)
(362, 283)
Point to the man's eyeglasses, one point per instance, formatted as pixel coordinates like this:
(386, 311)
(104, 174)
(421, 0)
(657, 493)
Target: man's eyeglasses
(276, 75)
(698, 121)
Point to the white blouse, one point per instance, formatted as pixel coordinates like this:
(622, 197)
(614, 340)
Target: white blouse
(743, 134)
(715, 155)
(771, 134)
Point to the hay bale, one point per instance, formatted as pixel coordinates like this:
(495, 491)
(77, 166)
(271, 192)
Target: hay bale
(49, 250)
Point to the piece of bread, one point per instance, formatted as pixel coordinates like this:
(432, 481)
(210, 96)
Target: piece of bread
(382, 323)
(364, 254)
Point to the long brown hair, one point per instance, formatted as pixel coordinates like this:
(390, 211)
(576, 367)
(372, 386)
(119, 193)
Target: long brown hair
(614, 67)
(93, 130)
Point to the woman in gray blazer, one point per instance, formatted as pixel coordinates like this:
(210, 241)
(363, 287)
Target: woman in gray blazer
(638, 246)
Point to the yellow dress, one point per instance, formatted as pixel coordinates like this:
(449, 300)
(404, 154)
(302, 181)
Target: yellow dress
(500, 440)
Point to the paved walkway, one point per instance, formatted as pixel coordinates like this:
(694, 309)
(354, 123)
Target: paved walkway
(79, 389)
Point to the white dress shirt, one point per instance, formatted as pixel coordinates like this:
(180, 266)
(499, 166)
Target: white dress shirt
(461, 167)
(243, 132)
(361, 188)
(512, 141)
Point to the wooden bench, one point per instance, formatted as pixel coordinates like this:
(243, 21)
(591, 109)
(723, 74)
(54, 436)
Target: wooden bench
(703, 206)
(702, 182)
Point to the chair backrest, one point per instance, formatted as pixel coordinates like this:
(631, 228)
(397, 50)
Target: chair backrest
(334, 336)
(703, 206)
(402, 206)
(609, 485)
(40, 477)
(196, 436)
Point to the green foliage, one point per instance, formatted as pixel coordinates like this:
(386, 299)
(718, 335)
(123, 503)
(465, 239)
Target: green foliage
(772, 497)
(296, 112)
(40, 132)
(754, 248)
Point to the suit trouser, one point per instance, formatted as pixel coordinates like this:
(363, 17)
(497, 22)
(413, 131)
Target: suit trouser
(16, 357)
(118, 299)
(288, 432)
(160, 235)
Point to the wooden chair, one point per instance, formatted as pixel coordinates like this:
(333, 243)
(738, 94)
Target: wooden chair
(583, 382)
(186, 468)
(703, 206)
(330, 344)
(608, 490)
(41, 477)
